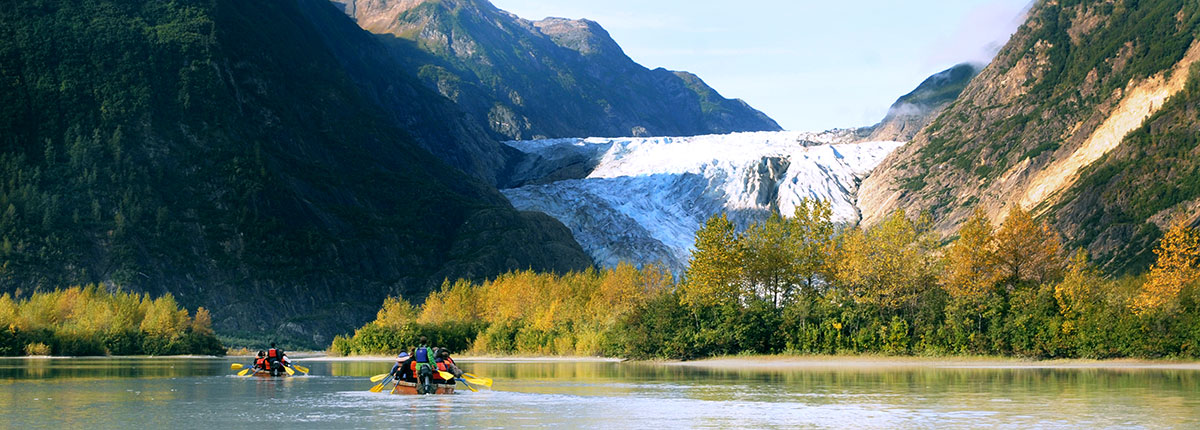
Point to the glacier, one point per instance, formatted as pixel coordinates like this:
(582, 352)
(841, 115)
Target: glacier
(641, 200)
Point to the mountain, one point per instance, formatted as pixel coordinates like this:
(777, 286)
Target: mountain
(231, 153)
(913, 111)
(545, 79)
(1086, 116)
(642, 200)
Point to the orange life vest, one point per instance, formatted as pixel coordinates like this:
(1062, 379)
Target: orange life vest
(273, 354)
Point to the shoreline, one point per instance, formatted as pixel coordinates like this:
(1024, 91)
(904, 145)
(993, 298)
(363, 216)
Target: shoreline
(767, 363)
(883, 362)
(475, 359)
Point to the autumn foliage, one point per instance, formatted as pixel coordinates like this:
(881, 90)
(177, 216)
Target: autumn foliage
(802, 284)
(91, 320)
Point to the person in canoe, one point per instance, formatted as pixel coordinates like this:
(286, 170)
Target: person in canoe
(446, 364)
(276, 359)
(423, 356)
(404, 368)
(261, 363)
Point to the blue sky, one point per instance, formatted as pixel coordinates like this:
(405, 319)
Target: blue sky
(810, 65)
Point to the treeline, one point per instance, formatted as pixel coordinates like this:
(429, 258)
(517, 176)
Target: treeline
(90, 320)
(580, 313)
(805, 285)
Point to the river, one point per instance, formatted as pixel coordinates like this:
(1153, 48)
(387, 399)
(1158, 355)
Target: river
(130, 393)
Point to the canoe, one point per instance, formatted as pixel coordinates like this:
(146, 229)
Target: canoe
(403, 387)
(266, 374)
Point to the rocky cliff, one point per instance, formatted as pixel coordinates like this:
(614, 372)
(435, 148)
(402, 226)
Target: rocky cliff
(545, 79)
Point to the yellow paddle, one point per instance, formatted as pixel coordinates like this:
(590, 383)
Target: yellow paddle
(446, 375)
(379, 377)
(244, 371)
(487, 382)
(301, 368)
(236, 366)
(468, 384)
(379, 387)
(289, 370)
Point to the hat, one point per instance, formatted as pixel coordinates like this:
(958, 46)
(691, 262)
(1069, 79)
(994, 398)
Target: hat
(402, 355)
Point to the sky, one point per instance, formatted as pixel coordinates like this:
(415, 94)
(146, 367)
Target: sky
(811, 65)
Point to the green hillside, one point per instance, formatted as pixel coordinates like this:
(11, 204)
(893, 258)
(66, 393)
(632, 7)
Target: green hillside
(220, 151)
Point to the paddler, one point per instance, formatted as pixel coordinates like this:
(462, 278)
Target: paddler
(423, 356)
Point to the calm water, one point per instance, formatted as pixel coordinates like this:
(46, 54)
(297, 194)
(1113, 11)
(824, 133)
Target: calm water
(202, 393)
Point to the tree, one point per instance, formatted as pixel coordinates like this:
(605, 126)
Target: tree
(970, 262)
(396, 312)
(715, 270)
(1027, 250)
(1174, 270)
(812, 225)
(888, 265)
(771, 260)
(202, 322)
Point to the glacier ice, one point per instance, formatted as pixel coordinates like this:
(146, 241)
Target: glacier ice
(641, 200)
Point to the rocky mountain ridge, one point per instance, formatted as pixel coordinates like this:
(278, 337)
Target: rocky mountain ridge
(545, 79)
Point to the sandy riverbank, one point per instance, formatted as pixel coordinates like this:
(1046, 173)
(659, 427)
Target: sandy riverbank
(783, 362)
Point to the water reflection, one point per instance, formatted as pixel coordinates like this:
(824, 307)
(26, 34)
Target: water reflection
(116, 393)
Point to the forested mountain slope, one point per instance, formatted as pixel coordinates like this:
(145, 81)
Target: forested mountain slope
(221, 151)
(1046, 123)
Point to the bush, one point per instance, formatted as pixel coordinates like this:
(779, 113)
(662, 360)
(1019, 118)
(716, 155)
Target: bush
(37, 349)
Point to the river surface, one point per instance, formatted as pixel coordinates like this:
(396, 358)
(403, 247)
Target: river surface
(185, 393)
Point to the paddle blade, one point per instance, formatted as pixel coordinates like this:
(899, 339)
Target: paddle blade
(244, 372)
(446, 375)
(289, 370)
(301, 368)
(487, 382)
(236, 366)
(377, 388)
(378, 377)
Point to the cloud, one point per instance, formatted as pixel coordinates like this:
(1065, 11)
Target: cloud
(980, 35)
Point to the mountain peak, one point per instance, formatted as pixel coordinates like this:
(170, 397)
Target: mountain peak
(582, 35)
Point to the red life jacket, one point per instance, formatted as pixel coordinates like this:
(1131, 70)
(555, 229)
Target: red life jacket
(260, 363)
(413, 367)
(273, 354)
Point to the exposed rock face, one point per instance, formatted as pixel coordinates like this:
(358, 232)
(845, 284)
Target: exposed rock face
(1064, 93)
(545, 79)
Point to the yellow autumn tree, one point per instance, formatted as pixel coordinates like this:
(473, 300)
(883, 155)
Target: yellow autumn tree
(1079, 288)
(202, 322)
(8, 311)
(970, 261)
(770, 259)
(458, 302)
(395, 313)
(1174, 270)
(1027, 250)
(888, 265)
(812, 232)
(715, 270)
